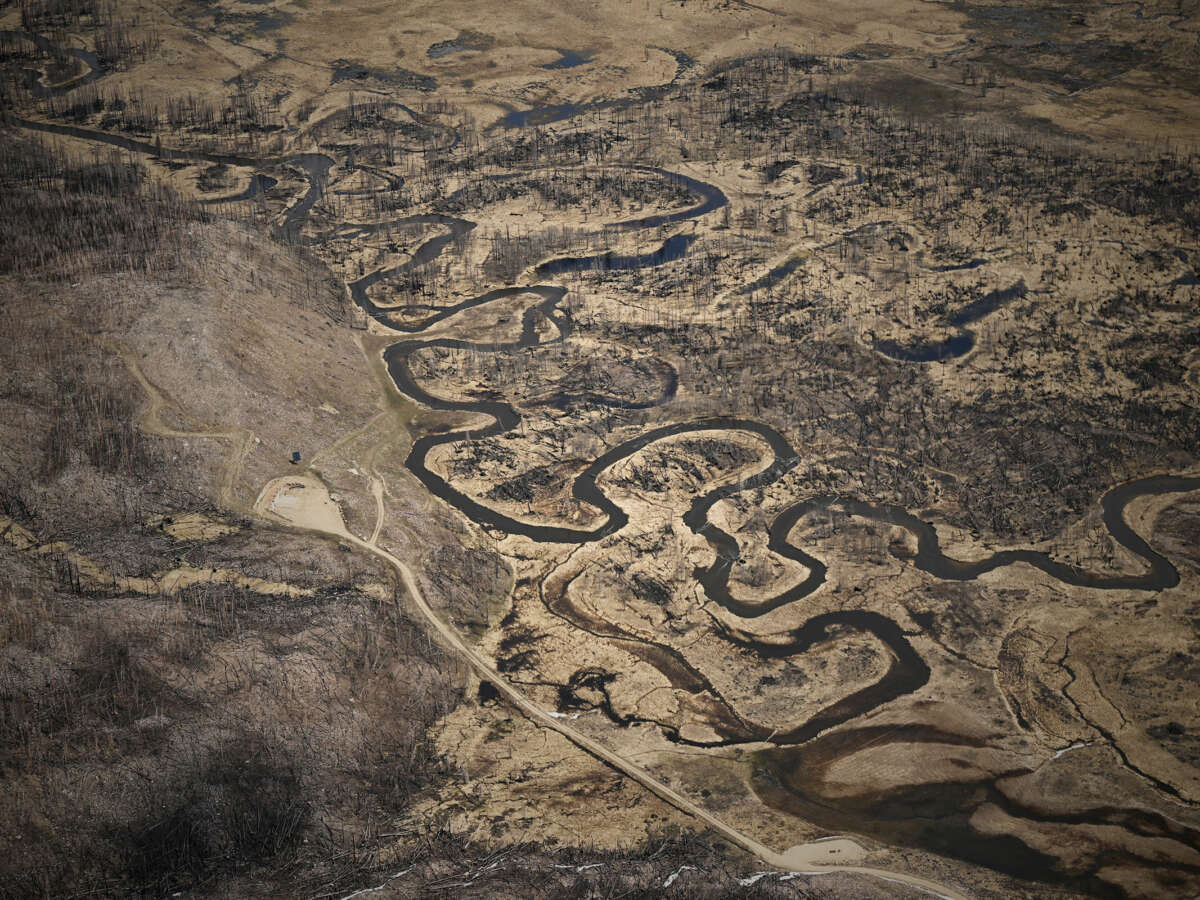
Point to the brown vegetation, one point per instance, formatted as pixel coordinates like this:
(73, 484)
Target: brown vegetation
(922, 282)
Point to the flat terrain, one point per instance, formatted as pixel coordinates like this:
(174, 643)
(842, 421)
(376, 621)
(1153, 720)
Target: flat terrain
(696, 448)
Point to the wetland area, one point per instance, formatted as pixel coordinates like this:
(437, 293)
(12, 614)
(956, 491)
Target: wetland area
(697, 449)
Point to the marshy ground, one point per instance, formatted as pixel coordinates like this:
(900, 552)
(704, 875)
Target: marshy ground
(446, 460)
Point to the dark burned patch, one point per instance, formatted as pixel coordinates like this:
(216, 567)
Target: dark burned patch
(99, 208)
(611, 378)
(515, 662)
(957, 612)
(216, 177)
(586, 690)
(1178, 740)
(479, 453)
(651, 590)
(96, 419)
(113, 686)
(516, 650)
(1050, 44)
(466, 41)
(1019, 23)
(488, 693)
(1066, 65)
(645, 478)
(870, 51)
(908, 94)
(1061, 436)
(524, 488)
(820, 174)
(347, 70)
(692, 461)
(519, 638)
(570, 190)
(1177, 533)
(718, 452)
(772, 171)
(237, 25)
(243, 808)
(1055, 210)
(467, 581)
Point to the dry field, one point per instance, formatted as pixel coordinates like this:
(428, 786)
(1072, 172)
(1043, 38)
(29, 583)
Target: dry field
(600, 449)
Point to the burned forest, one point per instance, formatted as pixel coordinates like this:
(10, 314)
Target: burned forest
(674, 449)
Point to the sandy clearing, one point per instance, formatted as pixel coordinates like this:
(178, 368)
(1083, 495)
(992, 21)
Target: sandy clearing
(193, 526)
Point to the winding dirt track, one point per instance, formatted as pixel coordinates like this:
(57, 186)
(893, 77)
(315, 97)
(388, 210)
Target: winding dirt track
(152, 423)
